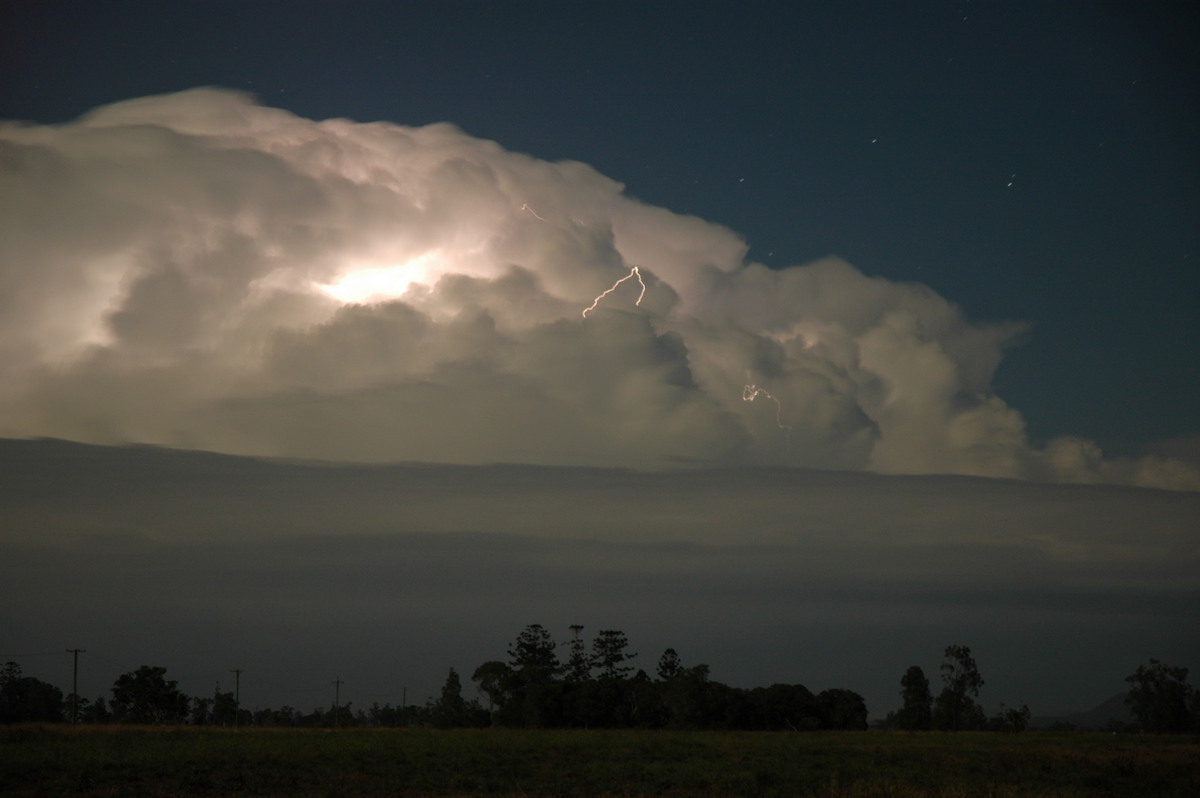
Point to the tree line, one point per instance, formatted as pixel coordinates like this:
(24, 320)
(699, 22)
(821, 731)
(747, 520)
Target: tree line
(597, 687)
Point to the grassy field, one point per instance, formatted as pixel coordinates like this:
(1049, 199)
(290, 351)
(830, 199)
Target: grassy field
(124, 761)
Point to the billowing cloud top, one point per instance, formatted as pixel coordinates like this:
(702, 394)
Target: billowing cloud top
(198, 270)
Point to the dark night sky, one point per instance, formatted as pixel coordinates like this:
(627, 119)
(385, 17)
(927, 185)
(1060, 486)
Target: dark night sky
(886, 133)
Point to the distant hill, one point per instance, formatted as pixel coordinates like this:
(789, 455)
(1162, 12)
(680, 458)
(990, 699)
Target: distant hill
(1112, 711)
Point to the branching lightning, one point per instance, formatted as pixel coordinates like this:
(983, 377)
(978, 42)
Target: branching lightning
(526, 207)
(633, 272)
(751, 392)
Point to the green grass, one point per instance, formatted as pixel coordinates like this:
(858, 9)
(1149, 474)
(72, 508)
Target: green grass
(124, 761)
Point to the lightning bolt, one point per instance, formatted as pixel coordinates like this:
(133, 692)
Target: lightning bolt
(526, 207)
(752, 392)
(633, 272)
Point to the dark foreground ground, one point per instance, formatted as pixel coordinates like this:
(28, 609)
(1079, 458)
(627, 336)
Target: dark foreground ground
(131, 761)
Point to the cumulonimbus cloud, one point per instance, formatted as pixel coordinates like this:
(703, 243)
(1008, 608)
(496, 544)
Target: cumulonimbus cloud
(198, 270)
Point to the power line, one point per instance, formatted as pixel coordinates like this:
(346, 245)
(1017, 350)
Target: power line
(75, 684)
(237, 695)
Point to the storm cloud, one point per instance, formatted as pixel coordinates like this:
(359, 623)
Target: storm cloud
(198, 270)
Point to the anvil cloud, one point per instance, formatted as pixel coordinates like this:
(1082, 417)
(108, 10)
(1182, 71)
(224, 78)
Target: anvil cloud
(198, 270)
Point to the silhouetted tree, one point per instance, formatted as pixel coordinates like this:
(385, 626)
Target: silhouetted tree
(224, 709)
(842, 709)
(781, 707)
(284, 716)
(609, 652)
(337, 717)
(82, 706)
(685, 697)
(495, 680)
(956, 709)
(648, 708)
(201, 711)
(383, 716)
(532, 656)
(450, 710)
(535, 697)
(25, 699)
(96, 712)
(669, 665)
(917, 710)
(146, 696)
(1012, 720)
(579, 665)
(1161, 699)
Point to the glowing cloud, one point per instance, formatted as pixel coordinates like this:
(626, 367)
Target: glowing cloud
(381, 283)
(198, 270)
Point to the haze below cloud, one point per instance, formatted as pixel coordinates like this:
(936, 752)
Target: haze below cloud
(389, 574)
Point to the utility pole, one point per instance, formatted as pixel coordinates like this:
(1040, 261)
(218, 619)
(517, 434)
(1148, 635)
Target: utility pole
(75, 684)
(337, 700)
(237, 695)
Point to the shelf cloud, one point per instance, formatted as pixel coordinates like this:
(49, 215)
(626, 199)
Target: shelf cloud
(298, 571)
